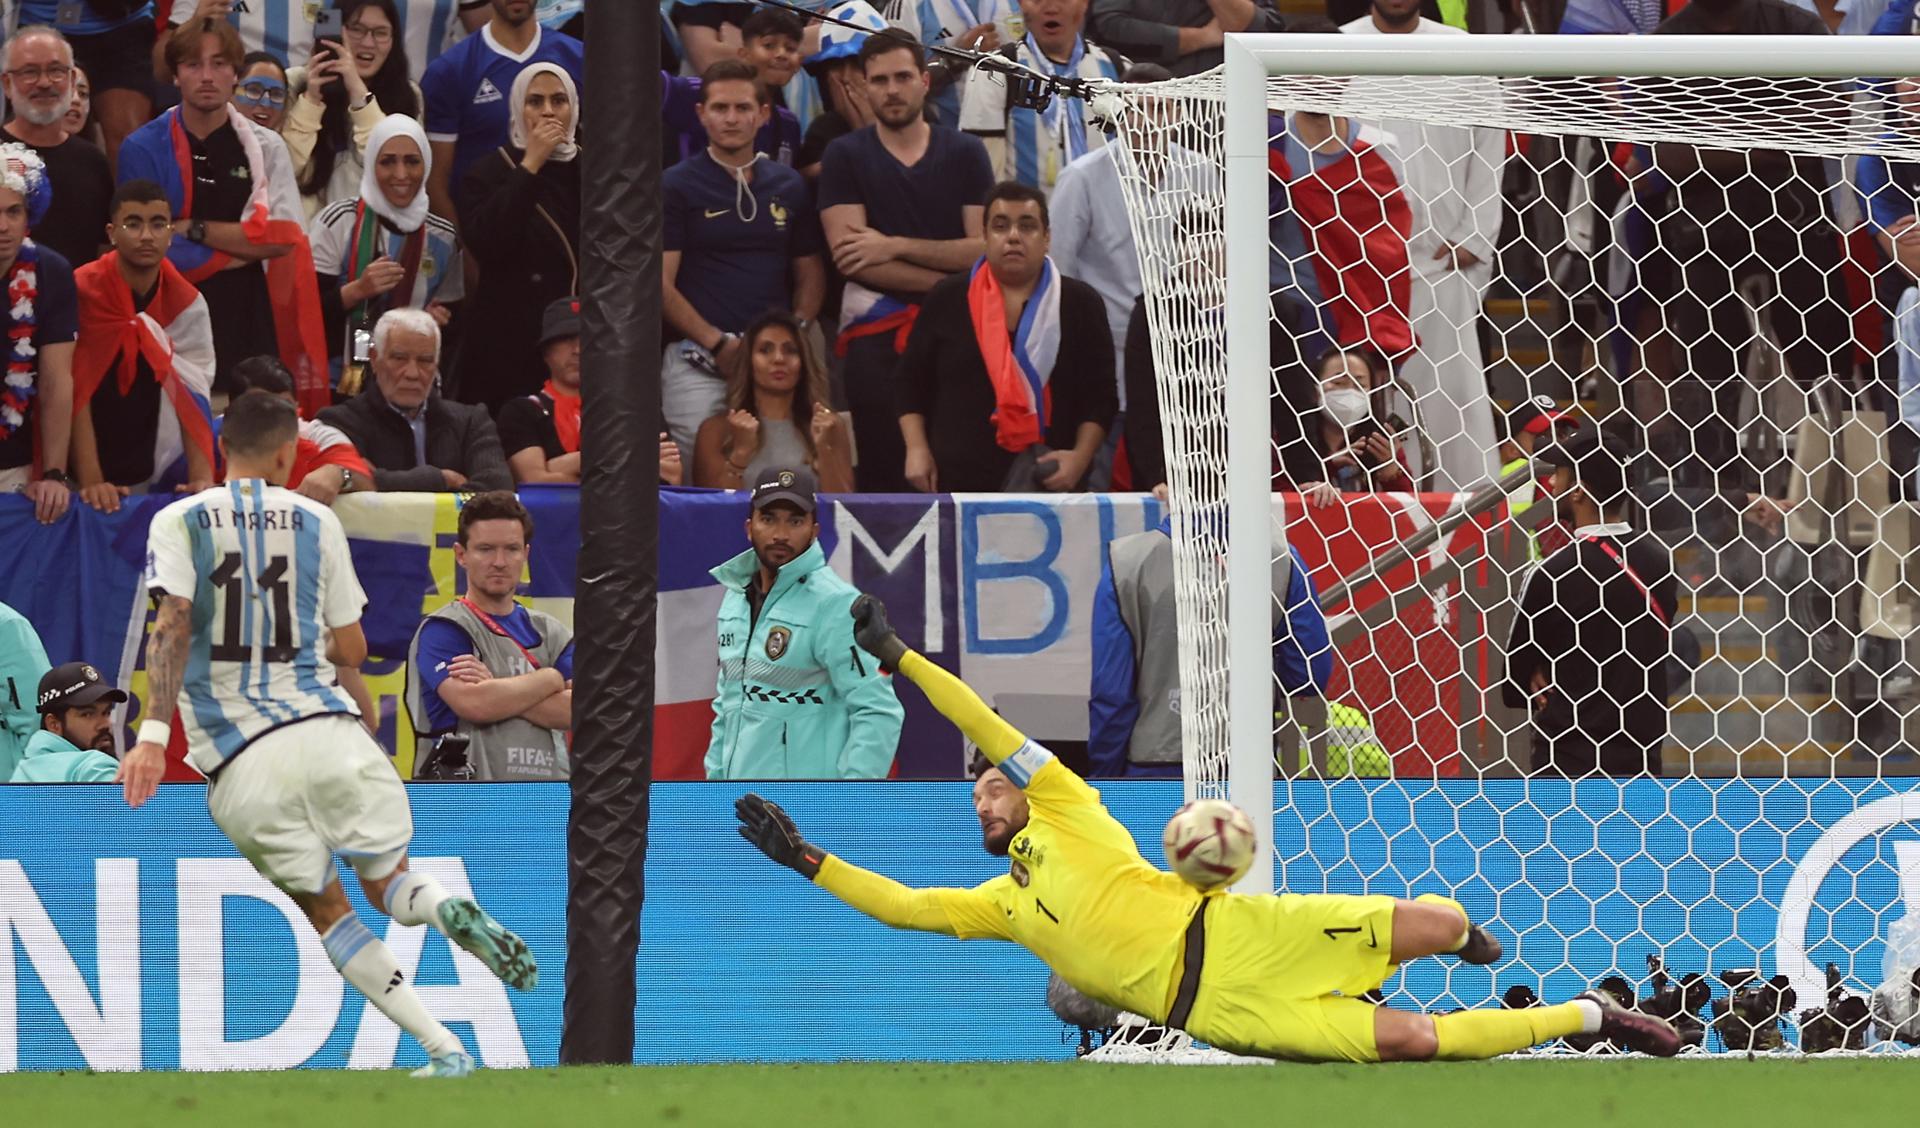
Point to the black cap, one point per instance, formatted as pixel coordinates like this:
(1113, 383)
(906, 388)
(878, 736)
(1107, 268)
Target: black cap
(1535, 415)
(73, 685)
(562, 319)
(792, 486)
(1598, 459)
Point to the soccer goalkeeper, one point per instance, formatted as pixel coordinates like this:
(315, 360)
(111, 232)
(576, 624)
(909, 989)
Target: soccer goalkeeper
(1277, 976)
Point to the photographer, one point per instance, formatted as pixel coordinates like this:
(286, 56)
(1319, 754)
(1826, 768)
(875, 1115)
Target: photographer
(1358, 453)
(488, 669)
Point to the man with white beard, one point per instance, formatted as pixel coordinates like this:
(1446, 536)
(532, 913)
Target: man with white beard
(1452, 175)
(38, 81)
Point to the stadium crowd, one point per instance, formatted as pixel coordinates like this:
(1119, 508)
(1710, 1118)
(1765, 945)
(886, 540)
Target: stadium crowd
(879, 270)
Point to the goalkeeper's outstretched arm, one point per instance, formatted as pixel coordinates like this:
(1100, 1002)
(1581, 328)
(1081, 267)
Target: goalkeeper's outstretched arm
(965, 913)
(1029, 766)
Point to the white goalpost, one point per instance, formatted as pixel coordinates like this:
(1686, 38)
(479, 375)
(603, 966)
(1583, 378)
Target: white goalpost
(1696, 248)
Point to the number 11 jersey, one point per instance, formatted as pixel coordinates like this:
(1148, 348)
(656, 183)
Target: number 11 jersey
(269, 575)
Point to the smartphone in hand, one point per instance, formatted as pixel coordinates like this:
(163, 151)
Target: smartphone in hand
(329, 25)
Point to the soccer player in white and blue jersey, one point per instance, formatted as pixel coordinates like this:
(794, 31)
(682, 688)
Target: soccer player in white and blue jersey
(257, 602)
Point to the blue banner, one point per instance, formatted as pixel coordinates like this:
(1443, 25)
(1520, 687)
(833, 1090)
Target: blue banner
(141, 940)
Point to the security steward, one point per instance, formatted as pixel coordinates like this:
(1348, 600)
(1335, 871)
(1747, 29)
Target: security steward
(797, 698)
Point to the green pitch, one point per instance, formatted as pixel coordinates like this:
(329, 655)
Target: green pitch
(1548, 1094)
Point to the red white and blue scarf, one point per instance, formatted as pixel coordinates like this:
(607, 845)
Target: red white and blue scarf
(1020, 362)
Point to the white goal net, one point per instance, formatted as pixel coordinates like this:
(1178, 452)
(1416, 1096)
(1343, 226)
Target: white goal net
(1384, 276)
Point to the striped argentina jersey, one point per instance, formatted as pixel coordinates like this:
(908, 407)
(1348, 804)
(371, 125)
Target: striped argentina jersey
(269, 575)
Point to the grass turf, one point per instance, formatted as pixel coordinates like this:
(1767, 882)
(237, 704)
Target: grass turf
(1537, 1094)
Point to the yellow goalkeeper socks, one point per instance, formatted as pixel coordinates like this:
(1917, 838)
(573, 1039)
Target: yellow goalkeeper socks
(959, 704)
(1476, 1034)
(1465, 921)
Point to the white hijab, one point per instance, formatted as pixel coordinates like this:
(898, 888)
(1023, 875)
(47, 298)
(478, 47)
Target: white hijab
(517, 125)
(409, 218)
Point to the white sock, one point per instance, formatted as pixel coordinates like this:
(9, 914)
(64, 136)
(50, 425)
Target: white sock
(414, 898)
(1589, 1016)
(369, 965)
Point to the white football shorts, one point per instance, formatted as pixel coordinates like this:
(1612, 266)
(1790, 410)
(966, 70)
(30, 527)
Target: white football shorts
(301, 794)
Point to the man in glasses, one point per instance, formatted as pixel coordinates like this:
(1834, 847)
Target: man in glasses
(37, 77)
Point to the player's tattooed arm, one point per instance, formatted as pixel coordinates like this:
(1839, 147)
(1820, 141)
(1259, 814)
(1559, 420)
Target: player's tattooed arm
(146, 762)
(167, 651)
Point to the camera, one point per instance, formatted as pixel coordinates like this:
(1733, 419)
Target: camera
(447, 760)
(1678, 1001)
(1840, 1025)
(1749, 1017)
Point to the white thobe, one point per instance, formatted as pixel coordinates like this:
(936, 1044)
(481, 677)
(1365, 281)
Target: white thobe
(1452, 178)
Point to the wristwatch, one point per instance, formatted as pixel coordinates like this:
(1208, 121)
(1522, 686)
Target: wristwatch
(55, 474)
(346, 480)
(197, 230)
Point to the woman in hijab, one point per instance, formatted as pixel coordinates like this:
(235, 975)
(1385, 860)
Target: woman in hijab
(344, 90)
(520, 216)
(380, 250)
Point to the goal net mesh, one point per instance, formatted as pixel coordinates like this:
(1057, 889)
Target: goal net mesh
(1710, 271)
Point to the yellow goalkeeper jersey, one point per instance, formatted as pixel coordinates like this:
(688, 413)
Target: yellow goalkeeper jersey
(1076, 893)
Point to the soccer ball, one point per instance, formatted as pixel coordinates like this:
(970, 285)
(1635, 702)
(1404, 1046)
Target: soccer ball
(1210, 843)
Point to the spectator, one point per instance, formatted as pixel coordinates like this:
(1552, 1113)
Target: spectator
(282, 29)
(1531, 423)
(837, 71)
(23, 662)
(75, 741)
(487, 667)
(79, 120)
(380, 249)
(1007, 380)
(39, 84)
(1452, 178)
(968, 25)
(432, 27)
(36, 396)
(416, 440)
(1195, 340)
(237, 205)
(344, 92)
(1133, 707)
(325, 463)
(1732, 216)
(111, 41)
(797, 698)
(775, 384)
(143, 366)
(710, 30)
(1092, 235)
(1182, 35)
(541, 432)
(1032, 146)
(467, 116)
(1357, 454)
(771, 56)
(1338, 230)
(898, 204)
(261, 93)
(522, 223)
(740, 238)
(1592, 640)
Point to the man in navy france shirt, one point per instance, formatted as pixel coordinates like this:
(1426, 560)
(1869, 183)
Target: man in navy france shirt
(900, 202)
(740, 238)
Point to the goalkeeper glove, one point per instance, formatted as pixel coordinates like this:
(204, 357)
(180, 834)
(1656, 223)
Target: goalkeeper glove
(764, 824)
(874, 634)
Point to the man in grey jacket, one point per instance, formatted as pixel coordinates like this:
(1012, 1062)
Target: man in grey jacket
(417, 441)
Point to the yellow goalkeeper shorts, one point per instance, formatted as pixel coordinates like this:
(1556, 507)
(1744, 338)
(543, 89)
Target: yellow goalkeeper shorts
(1282, 973)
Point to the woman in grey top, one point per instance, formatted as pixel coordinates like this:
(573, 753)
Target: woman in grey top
(776, 416)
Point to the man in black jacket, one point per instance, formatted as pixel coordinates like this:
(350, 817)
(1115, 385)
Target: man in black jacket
(416, 441)
(1007, 380)
(1591, 642)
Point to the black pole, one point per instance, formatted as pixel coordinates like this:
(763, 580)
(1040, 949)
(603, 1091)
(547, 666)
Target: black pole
(619, 526)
